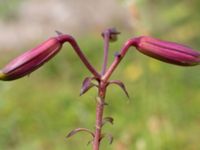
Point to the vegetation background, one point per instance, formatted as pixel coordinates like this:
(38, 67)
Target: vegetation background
(37, 112)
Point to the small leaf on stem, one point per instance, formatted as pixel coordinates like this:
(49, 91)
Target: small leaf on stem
(73, 132)
(121, 85)
(86, 85)
(109, 136)
(90, 141)
(108, 119)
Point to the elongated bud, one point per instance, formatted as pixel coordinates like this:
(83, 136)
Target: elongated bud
(31, 60)
(169, 52)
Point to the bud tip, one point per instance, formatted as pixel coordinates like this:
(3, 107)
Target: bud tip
(2, 75)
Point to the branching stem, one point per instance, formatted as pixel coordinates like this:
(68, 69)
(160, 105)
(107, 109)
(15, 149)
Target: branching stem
(102, 88)
(108, 35)
(117, 59)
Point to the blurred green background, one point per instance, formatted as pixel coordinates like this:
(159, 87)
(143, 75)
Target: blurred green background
(38, 111)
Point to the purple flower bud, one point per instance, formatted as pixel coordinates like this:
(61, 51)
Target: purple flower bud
(169, 52)
(31, 60)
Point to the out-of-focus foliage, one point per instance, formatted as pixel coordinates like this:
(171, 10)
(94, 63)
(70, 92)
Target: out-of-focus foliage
(38, 111)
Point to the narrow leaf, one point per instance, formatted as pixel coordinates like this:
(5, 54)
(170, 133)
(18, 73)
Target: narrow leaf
(90, 142)
(73, 132)
(109, 136)
(86, 85)
(108, 119)
(121, 85)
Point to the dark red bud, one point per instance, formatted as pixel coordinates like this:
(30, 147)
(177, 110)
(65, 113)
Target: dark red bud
(31, 60)
(169, 52)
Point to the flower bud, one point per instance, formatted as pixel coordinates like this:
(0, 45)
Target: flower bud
(31, 60)
(113, 34)
(169, 52)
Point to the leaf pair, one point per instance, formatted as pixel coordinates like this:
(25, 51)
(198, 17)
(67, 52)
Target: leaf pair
(73, 132)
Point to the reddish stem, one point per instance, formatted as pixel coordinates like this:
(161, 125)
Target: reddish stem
(102, 92)
(68, 38)
(103, 78)
(117, 59)
(99, 115)
(106, 47)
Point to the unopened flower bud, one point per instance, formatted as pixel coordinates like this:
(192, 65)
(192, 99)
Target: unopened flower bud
(31, 60)
(112, 33)
(169, 52)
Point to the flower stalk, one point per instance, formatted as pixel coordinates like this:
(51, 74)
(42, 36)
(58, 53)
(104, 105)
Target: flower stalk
(67, 38)
(106, 36)
(31, 60)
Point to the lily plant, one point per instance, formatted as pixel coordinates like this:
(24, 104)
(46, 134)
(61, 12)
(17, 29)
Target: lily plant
(168, 52)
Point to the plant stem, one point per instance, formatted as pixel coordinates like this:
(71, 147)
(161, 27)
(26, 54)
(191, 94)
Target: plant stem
(102, 88)
(68, 38)
(117, 59)
(106, 47)
(99, 115)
